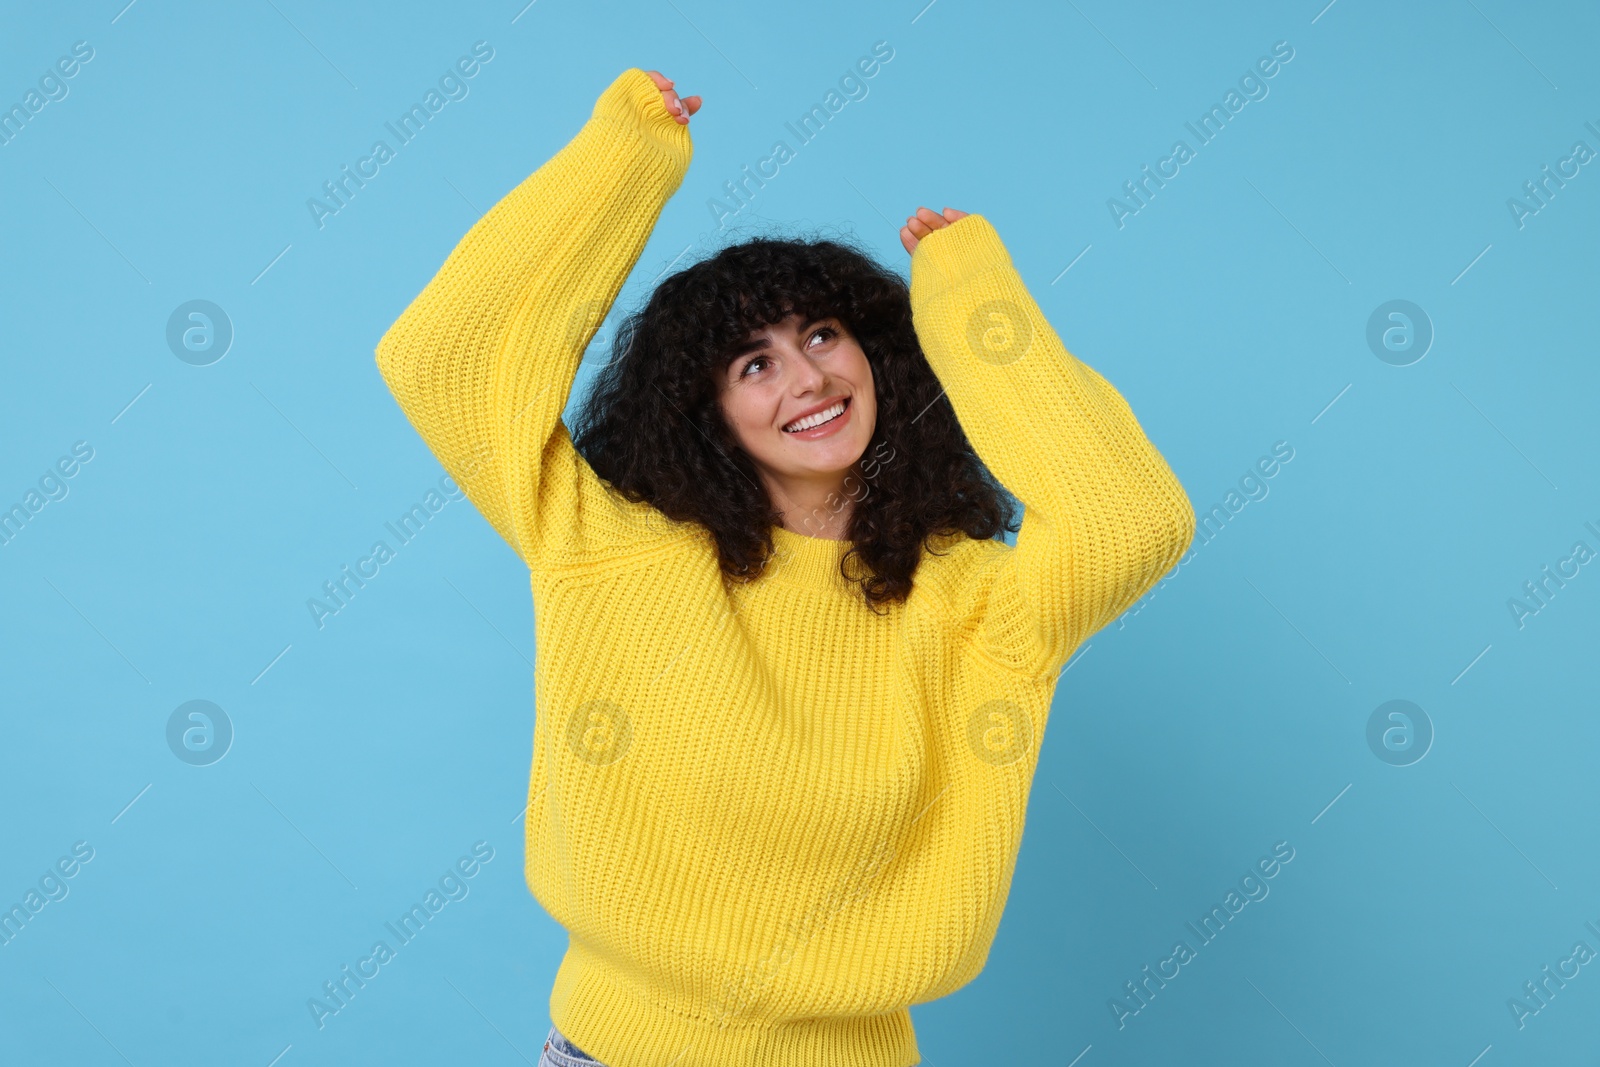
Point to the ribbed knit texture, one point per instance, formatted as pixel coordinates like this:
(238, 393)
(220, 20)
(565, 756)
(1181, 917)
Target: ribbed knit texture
(770, 819)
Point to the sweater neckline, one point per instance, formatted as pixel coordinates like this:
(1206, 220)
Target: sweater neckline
(812, 562)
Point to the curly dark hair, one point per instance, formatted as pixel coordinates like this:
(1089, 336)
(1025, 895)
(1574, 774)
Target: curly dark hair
(665, 360)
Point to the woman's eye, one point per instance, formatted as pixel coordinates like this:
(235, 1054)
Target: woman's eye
(824, 331)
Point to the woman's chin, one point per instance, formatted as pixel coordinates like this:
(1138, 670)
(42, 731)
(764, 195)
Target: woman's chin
(834, 456)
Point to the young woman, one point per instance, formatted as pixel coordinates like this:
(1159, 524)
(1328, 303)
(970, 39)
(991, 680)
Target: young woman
(791, 684)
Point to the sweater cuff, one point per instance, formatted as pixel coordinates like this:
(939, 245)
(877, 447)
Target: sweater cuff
(951, 254)
(633, 100)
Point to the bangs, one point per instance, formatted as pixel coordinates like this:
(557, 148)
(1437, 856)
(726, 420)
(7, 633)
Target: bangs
(730, 305)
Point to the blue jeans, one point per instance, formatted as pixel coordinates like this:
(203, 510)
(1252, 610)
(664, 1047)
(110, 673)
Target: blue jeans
(559, 1052)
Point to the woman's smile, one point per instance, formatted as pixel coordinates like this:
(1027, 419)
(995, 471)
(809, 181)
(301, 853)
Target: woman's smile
(840, 412)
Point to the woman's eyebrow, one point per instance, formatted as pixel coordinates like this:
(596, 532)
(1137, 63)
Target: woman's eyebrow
(761, 342)
(748, 347)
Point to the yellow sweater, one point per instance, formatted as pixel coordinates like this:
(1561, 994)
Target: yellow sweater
(769, 819)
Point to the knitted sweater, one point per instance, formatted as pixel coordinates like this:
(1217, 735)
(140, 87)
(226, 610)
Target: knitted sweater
(770, 819)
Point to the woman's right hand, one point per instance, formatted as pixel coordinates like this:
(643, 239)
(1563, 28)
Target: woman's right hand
(678, 109)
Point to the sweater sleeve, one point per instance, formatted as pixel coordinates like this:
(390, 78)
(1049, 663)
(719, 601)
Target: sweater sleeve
(1104, 516)
(482, 360)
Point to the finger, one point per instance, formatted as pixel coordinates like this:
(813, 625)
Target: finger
(918, 228)
(952, 214)
(907, 240)
(692, 103)
(931, 219)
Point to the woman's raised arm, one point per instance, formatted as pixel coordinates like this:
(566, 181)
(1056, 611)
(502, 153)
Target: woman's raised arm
(1104, 517)
(482, 361)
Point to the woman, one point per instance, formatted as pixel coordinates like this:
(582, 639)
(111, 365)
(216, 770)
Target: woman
(790, 688)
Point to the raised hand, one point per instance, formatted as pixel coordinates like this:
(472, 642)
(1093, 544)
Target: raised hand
(678, 109)
(924, 222)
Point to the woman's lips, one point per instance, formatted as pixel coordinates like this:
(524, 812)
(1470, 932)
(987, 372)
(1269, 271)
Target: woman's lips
(828, 428)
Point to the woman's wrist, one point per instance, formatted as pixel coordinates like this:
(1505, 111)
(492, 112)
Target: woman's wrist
(952, 254)
(634, 101)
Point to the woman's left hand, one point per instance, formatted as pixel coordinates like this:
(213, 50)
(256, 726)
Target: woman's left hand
(924, 222)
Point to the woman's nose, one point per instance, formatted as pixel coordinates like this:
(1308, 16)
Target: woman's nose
(808, 374)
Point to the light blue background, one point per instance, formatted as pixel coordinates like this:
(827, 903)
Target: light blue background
(1224, 716)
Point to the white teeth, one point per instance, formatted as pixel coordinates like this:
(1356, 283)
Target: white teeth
(818, 419)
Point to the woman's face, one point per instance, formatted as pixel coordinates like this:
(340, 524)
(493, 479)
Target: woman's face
(789, 370)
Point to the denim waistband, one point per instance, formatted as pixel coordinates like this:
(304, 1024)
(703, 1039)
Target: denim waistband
(559, 1052)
